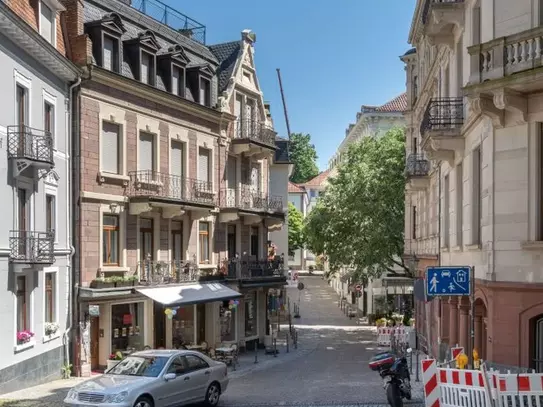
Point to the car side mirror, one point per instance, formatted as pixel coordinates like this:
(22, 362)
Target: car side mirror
(169, 376)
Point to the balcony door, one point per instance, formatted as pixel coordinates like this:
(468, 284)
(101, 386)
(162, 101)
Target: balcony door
(238, 112)
(177, 242)
(22, 120)
(177, 173)
(231, 241)
(231, 181)
(23, 221)
(146, 239)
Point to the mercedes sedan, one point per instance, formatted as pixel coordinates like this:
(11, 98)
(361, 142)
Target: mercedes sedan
(154, 378)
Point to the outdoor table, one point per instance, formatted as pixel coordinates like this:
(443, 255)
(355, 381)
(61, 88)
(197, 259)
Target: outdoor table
(224, 350)
(194, 347)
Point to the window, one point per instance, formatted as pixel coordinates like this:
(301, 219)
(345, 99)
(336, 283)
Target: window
(49, 119)
(204, 242)
(414, 223)
(147, 152)
(110, 237)
(147, 239)
(177, 241)
(446, 211)
(459, 204)
(251, 314)
(183, 326)
(177, 366)
(22, 106)
(47, 23)
(23, 304)
(50, 213)
(110, 59)
(540, 159)
(127, 327)
(195, 363)
(255, 244)
(204, 167)
(110, 151)
(476, 204)
(205, 92)
(178, 81)
(147, 68)
(50, 289)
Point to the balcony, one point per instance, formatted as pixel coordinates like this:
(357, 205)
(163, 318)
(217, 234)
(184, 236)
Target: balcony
(251, 204)
(254, 272)
(30, 247)
(440, 18)
(253, 138)
(150, 272)
(417, 170)
(441, 128)
(30, 149)
(173, 194)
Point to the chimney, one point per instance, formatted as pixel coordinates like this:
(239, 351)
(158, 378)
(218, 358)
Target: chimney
(248, 36)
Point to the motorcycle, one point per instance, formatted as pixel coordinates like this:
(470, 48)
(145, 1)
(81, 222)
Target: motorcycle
(395, 374)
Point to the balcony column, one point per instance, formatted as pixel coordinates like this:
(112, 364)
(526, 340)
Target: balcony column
(463, 307)
(453, 321)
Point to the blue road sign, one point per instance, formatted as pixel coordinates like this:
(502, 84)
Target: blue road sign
(445, 281)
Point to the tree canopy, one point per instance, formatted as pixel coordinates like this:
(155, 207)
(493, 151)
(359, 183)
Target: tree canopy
(295, 228)
(304, 157)
(359, 220)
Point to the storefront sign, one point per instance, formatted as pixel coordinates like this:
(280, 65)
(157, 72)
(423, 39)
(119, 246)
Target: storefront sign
(127, 319)
(94, 310)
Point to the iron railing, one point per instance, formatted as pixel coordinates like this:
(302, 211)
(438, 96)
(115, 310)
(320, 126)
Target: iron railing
(148, 183)
(417, 165)
(251, 199)
(32, 247)
(153, 272)
(443, 114)
(228, 198)
(254, 130)
(428, 3)
(172, 18)
(29, 143)
(245, 268)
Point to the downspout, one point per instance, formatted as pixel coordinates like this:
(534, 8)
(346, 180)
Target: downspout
(439, 258)
(71, 297)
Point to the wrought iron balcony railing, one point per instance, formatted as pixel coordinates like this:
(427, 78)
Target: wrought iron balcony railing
(443, 114)
(147, 183)
(32, 247)
(275, 204)
(29, 143)
(247, 197)
(417, 165)
(244, 268)
(256, 131)
(228, 198)
(153, 272)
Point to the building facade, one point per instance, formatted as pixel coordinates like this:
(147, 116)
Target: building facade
(37, 80)
(174, 208)
(298, 196)
(475, 114)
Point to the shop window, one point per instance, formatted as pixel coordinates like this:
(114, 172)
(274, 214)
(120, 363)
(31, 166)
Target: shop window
(228, 322)
(110, 240)
(127, 327)
(183, 327)
(250, 314)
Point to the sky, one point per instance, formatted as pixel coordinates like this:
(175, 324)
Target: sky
(334, 56)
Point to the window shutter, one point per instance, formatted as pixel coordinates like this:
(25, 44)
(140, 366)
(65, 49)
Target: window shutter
(175, 81)
(231, 173)
(176, 164)
(46, 23)
(145, 65)
(203, 165)
(146, 151)
(110, 148)
(108, 53)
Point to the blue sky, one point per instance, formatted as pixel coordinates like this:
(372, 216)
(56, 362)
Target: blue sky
(334, 56)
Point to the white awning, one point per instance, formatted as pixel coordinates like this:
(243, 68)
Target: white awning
(189, 294)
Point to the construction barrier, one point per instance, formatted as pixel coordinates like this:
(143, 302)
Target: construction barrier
(524, 389)
(383, 336)
(399, 333)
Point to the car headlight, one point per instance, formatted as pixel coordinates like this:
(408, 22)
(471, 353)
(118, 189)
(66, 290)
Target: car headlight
(72, 394)
(116, 398)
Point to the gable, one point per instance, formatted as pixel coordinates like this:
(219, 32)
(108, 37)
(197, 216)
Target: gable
(148, 39)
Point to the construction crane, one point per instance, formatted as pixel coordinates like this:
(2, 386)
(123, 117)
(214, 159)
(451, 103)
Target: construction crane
(284, 103)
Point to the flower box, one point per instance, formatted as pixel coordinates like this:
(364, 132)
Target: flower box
(24, 337)
(101, 284)
(51, 328)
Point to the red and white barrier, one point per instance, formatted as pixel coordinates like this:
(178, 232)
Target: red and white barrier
(430, 382)
(384, 335)
(523, 389)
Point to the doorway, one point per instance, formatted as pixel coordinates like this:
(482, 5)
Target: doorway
(160, 325)
(231, 241)
(95, 343)
(201, 323)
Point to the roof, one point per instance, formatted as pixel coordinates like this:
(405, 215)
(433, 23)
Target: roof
(396, 105)
(227, 54)
(295, 188)
(410, 52)
(318, 180)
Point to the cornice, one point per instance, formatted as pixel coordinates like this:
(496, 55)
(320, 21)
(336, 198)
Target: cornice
(156, 95)
(415, 22)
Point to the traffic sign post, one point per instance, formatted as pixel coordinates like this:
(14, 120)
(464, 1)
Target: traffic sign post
(445, 281)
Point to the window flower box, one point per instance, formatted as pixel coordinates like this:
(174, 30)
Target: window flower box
(102, 283)
(24, 337)
(51, 328)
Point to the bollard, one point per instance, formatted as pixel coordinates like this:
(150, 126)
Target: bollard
(296, 340)
(256, 351)
(417, 368)
(274, 347)
(287, 342)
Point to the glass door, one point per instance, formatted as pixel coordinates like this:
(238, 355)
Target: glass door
(23, 223)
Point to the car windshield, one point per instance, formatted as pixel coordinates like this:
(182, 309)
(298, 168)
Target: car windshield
(148, 366)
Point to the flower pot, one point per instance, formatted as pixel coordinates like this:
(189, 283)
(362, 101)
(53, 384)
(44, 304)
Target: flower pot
(112, 363)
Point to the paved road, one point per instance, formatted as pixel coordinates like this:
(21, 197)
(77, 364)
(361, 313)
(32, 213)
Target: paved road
(331, 367)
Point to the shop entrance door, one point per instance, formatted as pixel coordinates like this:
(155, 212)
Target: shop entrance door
(95, 343)
(160, 326)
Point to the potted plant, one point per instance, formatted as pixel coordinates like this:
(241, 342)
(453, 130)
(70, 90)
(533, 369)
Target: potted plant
(102, 282)
(51, 328)
(24, 337)
(114, 359)
(118, 281)
(131, 280)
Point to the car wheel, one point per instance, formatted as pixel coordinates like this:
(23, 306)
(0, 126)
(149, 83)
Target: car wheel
(213, 394)
(144, 402)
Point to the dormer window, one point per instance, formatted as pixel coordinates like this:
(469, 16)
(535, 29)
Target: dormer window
(147, 70)
(178, 81)
(142, 54)
(205, 92)
(172, 69)
(48, 18)
(199, 84)
(106, 40)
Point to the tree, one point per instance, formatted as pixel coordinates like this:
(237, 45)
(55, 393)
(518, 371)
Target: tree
(359, 220)
(304, 157)
(295, 228)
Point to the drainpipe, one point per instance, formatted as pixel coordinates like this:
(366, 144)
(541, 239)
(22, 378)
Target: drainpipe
(73, 124)
(439, 258)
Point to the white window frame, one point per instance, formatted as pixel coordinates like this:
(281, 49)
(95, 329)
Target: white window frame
(211, 163)
(211, 236)
(55, 7)
(53, 191)
(105, 209)
(29, 284)
(156, 148)
(26, 83)
(56, 299)
(27, 184)
(52, 100)
(112, 114)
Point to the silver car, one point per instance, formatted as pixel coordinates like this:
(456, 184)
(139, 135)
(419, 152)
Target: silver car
(154, 378)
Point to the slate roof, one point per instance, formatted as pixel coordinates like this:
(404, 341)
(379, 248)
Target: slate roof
(318, 180)
(227, 54)
(295, 188)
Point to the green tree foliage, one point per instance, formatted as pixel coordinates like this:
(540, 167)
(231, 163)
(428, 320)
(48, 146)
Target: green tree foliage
(295, 229)
(359, 220)
(304, 157)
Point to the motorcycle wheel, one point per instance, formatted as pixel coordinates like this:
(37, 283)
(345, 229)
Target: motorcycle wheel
(394, 397)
